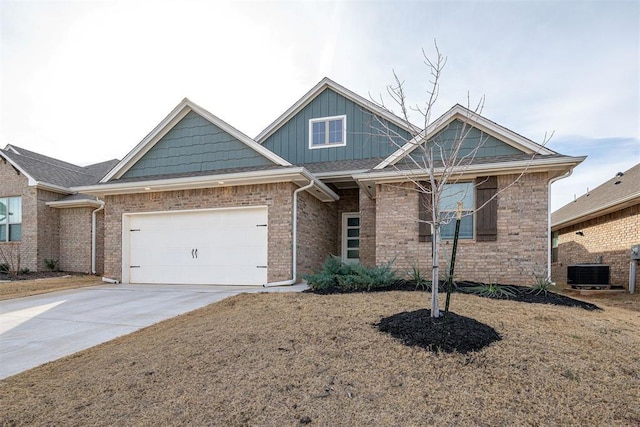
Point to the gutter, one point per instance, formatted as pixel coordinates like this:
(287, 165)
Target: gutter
(295, 239)
(549, 235)
(93, 236)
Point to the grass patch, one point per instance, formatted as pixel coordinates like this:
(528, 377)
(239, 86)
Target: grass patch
(283, 359)
(24, 288)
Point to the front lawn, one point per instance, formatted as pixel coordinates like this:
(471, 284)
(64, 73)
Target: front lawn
(293, 359)
(26, 287)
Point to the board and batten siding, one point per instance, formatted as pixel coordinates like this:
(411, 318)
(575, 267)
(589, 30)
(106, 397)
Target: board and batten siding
(365, 137)
(195, 145)
(451, 134)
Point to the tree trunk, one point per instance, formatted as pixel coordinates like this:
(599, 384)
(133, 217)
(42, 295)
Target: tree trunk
(435, 310)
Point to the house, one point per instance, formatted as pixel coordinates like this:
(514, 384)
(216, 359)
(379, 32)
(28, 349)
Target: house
(41, 218)
(198, 201)
(599, 226)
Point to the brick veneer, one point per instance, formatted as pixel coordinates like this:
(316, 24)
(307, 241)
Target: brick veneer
(277, 197)
(609, 236)
(317, 237)
(15, 184)
(48, 228)
(75, 244)
(520, 250)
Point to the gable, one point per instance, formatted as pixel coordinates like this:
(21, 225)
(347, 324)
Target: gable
(364, 139)
(195, 144)
(447, 138)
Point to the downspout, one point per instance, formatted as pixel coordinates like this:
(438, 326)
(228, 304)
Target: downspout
(295, 239)
(549, 235)
(93, 236)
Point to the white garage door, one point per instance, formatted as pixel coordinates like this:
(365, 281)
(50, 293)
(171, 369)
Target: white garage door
(220, 246)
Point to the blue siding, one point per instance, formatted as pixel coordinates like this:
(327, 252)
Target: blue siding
(291, 141)
(195, 145)
(491, 146)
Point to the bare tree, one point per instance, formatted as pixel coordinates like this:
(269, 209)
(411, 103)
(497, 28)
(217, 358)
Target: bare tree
(433, 164)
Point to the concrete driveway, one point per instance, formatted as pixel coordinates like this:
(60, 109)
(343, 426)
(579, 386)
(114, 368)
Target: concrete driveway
(42, 328)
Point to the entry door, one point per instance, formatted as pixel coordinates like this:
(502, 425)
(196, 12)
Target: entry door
(221, 246)
(351, 237)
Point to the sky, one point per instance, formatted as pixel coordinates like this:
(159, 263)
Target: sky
(85, 81)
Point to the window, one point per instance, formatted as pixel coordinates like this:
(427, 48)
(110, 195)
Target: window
(10, 219)
(451, 195)
(351, 237)
(554, 247)
(328, 132)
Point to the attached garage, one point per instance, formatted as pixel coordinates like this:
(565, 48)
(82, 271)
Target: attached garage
(209, 246)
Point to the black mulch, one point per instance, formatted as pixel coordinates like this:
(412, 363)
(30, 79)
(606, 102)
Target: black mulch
(33, 275)
(418, 328)
(522, 293)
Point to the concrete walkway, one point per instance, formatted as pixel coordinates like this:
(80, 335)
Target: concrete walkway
(42, 328)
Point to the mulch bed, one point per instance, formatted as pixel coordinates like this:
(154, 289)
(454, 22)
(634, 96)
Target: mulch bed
(464, 334)
(32, 275)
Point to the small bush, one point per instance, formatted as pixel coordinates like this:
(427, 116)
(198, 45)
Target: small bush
(335, 274)
(542, 285)
(25, 271)
(4, 268)
(492, 290)
(420, 281)
(52, 264)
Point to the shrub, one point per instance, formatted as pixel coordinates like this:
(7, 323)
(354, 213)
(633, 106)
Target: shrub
(492, 290)
(52, 264)
(4, 267)
(420, 281)
(542, 285)
(335, 274)
(25, 271)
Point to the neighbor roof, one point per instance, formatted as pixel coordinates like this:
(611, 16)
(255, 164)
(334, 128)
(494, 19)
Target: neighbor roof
(621, 191)
(44, 170)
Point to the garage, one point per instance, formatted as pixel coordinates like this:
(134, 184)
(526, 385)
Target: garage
(208, 246)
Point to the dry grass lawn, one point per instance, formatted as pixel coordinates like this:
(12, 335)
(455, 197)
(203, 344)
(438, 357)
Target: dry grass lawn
(290, 359)
(24, 288)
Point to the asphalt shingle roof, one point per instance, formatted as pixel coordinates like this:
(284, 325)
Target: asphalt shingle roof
(611, 192)
(56, 172)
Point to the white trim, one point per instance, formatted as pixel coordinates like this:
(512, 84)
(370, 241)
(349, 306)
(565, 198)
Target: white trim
(317, 90)
(326, 121)
(344, 239)
(80, 203)
(177, 114)
(298, 175)
(474, 119)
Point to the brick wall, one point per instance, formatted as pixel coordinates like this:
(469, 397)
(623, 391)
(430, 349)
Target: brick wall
(48, 228)
(520, 249)
(609, 236)
(317, 237)
(277, 197)
(15, 184)
(75, 244)
(367, 230)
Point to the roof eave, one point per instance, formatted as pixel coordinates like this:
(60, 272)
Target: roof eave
(616, 205)
(83, 203)
(299, 176)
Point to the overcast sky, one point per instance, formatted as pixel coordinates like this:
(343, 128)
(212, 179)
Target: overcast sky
(86, 81)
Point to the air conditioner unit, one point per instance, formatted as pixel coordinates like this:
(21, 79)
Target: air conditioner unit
(588, 275)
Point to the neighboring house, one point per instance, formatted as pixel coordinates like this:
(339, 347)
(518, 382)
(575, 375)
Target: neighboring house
(198, 201)
(599, 226)
(41, 218)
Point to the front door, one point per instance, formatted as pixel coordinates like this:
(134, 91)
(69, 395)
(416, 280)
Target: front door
(351, 237)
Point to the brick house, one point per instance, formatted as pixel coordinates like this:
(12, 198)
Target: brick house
(42, 218)
(198, 201)
(599, 226)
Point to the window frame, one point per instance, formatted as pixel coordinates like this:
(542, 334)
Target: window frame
(467, 211)
(7, 223)
(326, 121)
(346, 238)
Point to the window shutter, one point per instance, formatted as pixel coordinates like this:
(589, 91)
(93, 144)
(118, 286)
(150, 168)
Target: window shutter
(424, 213)
(487, 217)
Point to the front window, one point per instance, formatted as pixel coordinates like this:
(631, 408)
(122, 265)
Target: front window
(10, 219)
(328, 132)
(451, 195)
